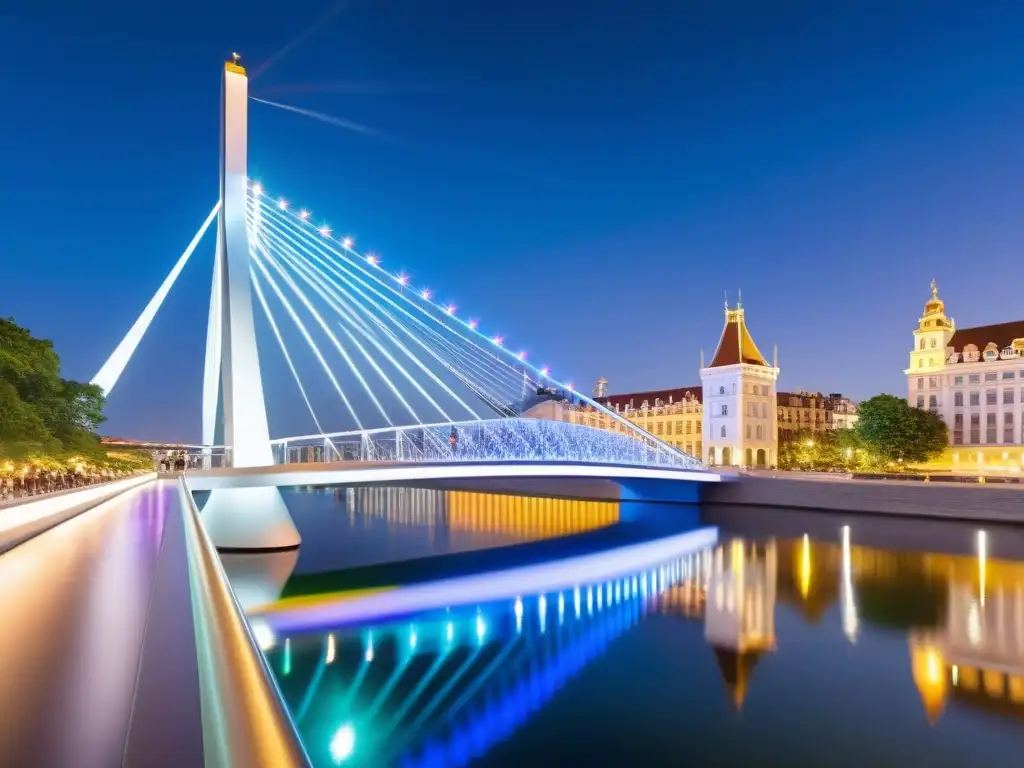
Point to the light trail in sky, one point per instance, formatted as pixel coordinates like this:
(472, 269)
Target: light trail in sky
(323, 19)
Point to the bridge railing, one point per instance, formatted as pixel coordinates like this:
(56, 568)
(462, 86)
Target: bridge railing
(510, 439)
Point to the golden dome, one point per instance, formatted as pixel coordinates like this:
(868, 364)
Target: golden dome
(934, 305)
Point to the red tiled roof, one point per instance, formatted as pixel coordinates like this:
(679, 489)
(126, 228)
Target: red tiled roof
(1002, 334)
(637, 398)
(736, 345)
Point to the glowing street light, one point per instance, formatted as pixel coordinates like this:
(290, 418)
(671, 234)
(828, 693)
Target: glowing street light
(282, 204)
(545, 371)
(473, 324)
(371, 258)
(425, 294)
(403, 279)
(257, 188)
(343, 743)
(346, 243)
(497, 340)
(450, 309)
(303, 214)
(325, 231)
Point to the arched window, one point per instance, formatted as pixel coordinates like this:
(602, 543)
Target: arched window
(760, 432)
(721, 390)
(723, 431)
(920, 363)
(932, 344)
(920, 344)
(748, 432)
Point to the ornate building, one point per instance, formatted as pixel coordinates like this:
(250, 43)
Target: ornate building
(741, 381)
(973, 379)
(740, 426)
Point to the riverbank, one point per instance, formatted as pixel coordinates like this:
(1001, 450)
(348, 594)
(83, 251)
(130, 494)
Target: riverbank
(981, 503)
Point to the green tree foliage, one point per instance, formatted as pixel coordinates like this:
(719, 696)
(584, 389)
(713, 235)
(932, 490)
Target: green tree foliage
(42, 414)
(839, 449)
(896, 432)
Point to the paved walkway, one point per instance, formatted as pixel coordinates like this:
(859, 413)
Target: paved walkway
(98, 640)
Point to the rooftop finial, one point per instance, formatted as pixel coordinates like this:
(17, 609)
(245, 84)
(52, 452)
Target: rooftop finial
(739, 298)
(236, 58)
(935, 289)
(726, 300)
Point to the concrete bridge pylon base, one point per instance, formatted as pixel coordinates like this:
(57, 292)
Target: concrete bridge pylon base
(249, 520)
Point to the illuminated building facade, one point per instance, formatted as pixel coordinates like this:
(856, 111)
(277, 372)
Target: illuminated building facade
(973, 379)
(802, 411)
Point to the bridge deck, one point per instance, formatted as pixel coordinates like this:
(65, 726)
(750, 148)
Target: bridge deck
(99, 654)
(97, 621)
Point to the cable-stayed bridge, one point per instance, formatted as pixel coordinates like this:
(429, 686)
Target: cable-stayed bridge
(419, 390)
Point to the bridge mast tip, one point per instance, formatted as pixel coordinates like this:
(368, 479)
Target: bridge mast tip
(234, 65)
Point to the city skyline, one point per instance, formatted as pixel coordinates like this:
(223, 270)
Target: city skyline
(829, 199)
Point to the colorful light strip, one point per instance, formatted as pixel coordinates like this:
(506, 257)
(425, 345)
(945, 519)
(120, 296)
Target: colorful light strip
(550, 576)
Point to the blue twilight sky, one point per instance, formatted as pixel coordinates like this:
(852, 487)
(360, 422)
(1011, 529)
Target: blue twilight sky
(588, 177)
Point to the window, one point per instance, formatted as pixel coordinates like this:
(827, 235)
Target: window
(958, 429)
(932, 344)
(975, 428)
(920, 344)
(990, 397)
(933, 401)
(689, 427)
(760, 431)
(748, 432)
(975, 398)
(764, 390)
(974, 378)
(764, 411)
(1008, 374)
(689, 448)
(721, 390)
(920, 401)
(1007, 397)
(723, 432)
(933, 382)
(958, 381)
(920, 363)
(920, 382)
(990, 376)
(725, 411)
(990, 354)
(958, 399)
(990, 428)
(660, 428)
(1007, 427)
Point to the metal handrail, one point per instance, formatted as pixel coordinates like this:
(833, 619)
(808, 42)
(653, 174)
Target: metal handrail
(245, 722)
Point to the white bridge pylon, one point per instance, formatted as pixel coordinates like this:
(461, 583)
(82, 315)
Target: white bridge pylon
(234, 411)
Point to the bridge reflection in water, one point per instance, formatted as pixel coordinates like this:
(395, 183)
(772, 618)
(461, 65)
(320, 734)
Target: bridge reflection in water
(446, 685)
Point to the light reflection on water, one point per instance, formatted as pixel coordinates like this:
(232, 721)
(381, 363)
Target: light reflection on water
(828, 652)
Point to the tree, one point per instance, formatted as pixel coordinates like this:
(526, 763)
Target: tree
(40, 412)
(822, 451)
(895, 432)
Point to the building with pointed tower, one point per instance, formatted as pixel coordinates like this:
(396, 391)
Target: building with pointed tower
(973, 379)
(740, 406)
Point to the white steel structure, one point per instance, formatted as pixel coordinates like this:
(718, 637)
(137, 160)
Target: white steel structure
(234, 412)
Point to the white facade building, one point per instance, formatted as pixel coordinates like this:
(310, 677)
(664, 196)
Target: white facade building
(740, 406)
(973, 379)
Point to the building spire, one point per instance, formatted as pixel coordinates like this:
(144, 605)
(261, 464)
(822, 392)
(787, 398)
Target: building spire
(726, 302)
(702, 357)
(775, 356)
(935, 289)
(739, 298)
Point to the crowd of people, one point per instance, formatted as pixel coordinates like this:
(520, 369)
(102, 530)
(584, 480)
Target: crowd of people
(38, 482)
(179, 461)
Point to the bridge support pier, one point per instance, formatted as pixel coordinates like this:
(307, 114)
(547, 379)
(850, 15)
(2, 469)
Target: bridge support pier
(233, 404)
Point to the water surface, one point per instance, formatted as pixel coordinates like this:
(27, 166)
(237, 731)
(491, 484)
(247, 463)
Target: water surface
(801, 639)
